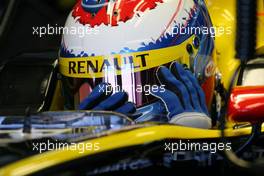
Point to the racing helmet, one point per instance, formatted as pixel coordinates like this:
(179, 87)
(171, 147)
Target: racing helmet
(123, 43)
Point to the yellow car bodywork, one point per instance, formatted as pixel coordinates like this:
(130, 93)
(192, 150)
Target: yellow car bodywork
(142, 135)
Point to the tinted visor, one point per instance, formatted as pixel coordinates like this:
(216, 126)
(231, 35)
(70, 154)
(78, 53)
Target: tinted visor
(137, 85)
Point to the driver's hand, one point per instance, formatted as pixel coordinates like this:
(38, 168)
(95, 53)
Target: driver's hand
(183, 97)
(101, 99)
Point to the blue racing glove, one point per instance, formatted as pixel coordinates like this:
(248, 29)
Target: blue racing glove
(101, 98)
(183, 97)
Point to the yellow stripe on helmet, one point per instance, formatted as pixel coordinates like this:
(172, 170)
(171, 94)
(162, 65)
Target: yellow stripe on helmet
(98, 66)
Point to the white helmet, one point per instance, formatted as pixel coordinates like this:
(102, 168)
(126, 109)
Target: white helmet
(123, 42)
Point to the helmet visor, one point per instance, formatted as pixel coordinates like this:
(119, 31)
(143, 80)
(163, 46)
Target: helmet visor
(134, 73)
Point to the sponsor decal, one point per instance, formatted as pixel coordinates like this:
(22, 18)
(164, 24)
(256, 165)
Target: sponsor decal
(117, 64)
(209, 69)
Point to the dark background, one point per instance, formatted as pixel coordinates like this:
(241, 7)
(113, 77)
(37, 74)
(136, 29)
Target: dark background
(26, 60)
(16, 37)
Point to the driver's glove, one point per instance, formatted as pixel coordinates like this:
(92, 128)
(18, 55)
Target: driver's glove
(183, 97)
(103, 99)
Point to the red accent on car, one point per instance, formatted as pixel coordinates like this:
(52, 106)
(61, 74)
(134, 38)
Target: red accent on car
(116, 15)
(208, 88)
(247, 104)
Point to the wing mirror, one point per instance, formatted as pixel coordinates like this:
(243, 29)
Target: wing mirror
(247, 104)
